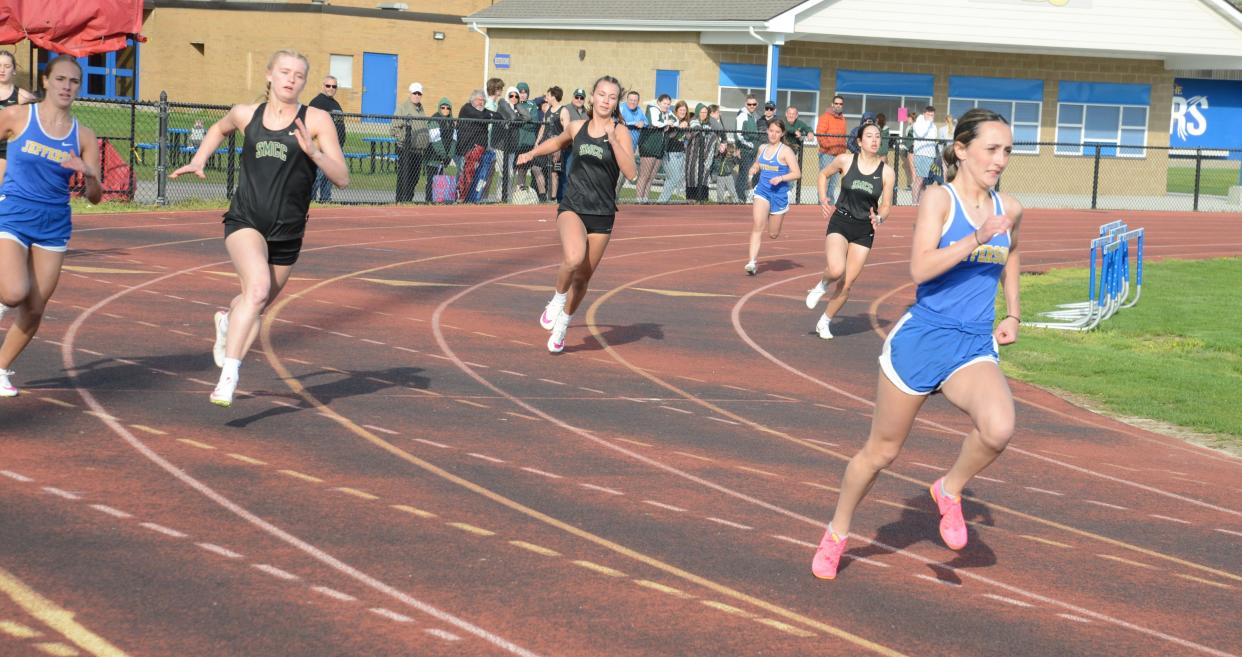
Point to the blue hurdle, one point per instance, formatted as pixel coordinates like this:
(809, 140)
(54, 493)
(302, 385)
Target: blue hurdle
(1111, 290)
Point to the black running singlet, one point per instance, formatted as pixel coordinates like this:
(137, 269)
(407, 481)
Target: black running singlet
(274, 192)
(592, 186)
(5, 102)
(860, 192)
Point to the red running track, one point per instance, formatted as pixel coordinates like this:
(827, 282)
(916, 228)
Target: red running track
(410, 472)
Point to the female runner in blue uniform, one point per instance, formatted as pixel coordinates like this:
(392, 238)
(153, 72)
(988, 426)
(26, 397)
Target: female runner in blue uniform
(285, 143)
(863, 205)
(35, 221)
(965, 240)
(776, 166)
(585, 217)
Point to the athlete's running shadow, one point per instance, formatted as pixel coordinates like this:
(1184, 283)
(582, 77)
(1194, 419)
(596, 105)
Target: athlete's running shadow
(843, 326)
(783, 264)
(338, 385)
(614, 335)
(920, 522)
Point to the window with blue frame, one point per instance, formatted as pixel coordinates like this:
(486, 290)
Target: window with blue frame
(797, 86)
(1019, 101)
(881, 92)
(111, 75)
(1106, 114)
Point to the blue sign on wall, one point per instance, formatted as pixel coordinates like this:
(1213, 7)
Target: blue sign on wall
(501, 60)
(1206, 114)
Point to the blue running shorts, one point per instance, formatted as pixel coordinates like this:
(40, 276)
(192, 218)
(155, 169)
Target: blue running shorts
(925, 348)
(30, 223)
(778, 199)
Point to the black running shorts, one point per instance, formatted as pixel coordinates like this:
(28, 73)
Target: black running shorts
(595, 223)
(854, 232)
(282, 252)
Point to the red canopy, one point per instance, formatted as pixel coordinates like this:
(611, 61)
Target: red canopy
(73, 27)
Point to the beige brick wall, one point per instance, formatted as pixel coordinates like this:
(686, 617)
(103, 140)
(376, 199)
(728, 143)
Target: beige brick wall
(545, 57)
(237, 46)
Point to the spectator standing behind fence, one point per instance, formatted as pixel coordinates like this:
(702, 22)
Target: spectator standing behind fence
(923, 151)
(412, 142)
(796, 138)
(830, 132)
(10, 94)
(675, 152)
(326, 101)
(633, 117)
(724, 170)
(700, 147)
(471, 141)
(440, 136)
(553, 125)
(745, 138)
(528, 129)
(651, 144)
(504, 142)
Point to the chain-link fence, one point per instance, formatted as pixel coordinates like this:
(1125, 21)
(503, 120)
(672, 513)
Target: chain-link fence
(446, 159)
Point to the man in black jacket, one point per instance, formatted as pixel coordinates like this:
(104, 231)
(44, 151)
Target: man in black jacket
(326, 101)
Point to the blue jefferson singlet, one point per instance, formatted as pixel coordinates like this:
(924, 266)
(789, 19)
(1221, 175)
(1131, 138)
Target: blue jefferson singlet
(967, 291)
(771, 167)
(34, 172)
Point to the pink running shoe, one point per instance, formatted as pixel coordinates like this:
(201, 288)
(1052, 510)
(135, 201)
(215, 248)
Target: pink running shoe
(828, 556)
(548, 318)
(952, 524)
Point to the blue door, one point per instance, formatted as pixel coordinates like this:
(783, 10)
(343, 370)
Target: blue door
(667, 82)
(112, 75)
(379, 83)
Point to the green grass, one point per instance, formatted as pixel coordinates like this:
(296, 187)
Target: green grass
(80, 206)
(1212, 182)
(1176, 357)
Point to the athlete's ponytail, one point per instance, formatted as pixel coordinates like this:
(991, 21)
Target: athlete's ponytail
(966, 131)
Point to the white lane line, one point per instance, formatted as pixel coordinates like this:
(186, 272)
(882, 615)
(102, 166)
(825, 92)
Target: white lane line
(869, 562)
(276, 572)
(695, 456)
(200, 381)
(88, 351)
(772, 394)
(24, 479)
(553, 382)
(937, 580)
(727, 523)
(1076, 619)
(610, 491)
(541, 473)
(832, 408)
(991, 479)
(723, 421)
(173, 296)
(441, 634)
(391, 615)
(58, 402)
(1044, 491)
(1106, 505)
(381, 429)
(439, 356)
(334, 594)
(511, 372)
(598, 392)
(486, 458)
(736, 387)
(339, 334)
(662, 505)
(286, 404)
(926, 465)
(379, 380)
(62, 493)
(413, 351)
(795, 541)
(313, 328)
(679, 410)
(115, 513)
(1011, 601)
(486, 335)
(1228, 531)
(478, 365)
(161, 529)
(180, 332)
(216, 549)
(370, 341)
(299, 361)
(821, 442)
(523, 416)
(636, 401)
(1178, 520)
(432, 443)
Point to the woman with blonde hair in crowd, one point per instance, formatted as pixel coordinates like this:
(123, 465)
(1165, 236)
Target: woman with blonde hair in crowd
(675, 152)
(285, 143)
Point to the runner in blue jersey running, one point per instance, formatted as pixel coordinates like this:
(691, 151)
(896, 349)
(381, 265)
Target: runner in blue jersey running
(46, 148)
(776, 166)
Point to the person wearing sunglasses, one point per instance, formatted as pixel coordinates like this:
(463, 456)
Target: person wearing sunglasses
(745, 137)
(412, 142)
(326, 101)
(830, 131)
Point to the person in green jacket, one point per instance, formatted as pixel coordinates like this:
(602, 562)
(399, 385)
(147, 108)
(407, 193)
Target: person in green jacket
(530, 118)
(440, 137)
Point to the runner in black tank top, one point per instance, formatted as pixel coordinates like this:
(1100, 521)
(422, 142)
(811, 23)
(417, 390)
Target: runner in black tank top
(8, 73)
(584, 219)
(274, 193)
(6, 102)
(264, 224)
(866, 197)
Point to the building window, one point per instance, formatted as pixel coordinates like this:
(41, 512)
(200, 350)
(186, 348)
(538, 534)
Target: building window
(734, 98)
(1111, 115)
(883, 92)
(1023, 117)
(858, 104)
(341, 67)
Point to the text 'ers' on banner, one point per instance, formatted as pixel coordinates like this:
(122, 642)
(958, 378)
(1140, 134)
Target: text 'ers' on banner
(1206, 114)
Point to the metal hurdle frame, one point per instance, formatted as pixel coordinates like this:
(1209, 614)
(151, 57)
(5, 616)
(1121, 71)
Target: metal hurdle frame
(1109, 292)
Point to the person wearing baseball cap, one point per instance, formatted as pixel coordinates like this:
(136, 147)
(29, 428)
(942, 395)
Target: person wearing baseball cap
(412, 140)
(529, 117)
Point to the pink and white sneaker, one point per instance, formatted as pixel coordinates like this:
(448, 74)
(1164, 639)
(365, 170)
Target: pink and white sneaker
(952, 524)
(556, 341)
(828, 555)
(7, 389)
(549, 314)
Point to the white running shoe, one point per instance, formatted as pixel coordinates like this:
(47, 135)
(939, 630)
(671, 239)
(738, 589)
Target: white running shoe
(814, 294)
(550, 313)
(821, 327)
(222, 335)
(751, 268)
(7, 389)
(223, 394)
(556, 341)
(4, 309)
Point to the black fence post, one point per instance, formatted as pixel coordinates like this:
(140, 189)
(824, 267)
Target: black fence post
(161, 167)
(801, 168)
(1095, 180)
(1198, 174)
(230, 183)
